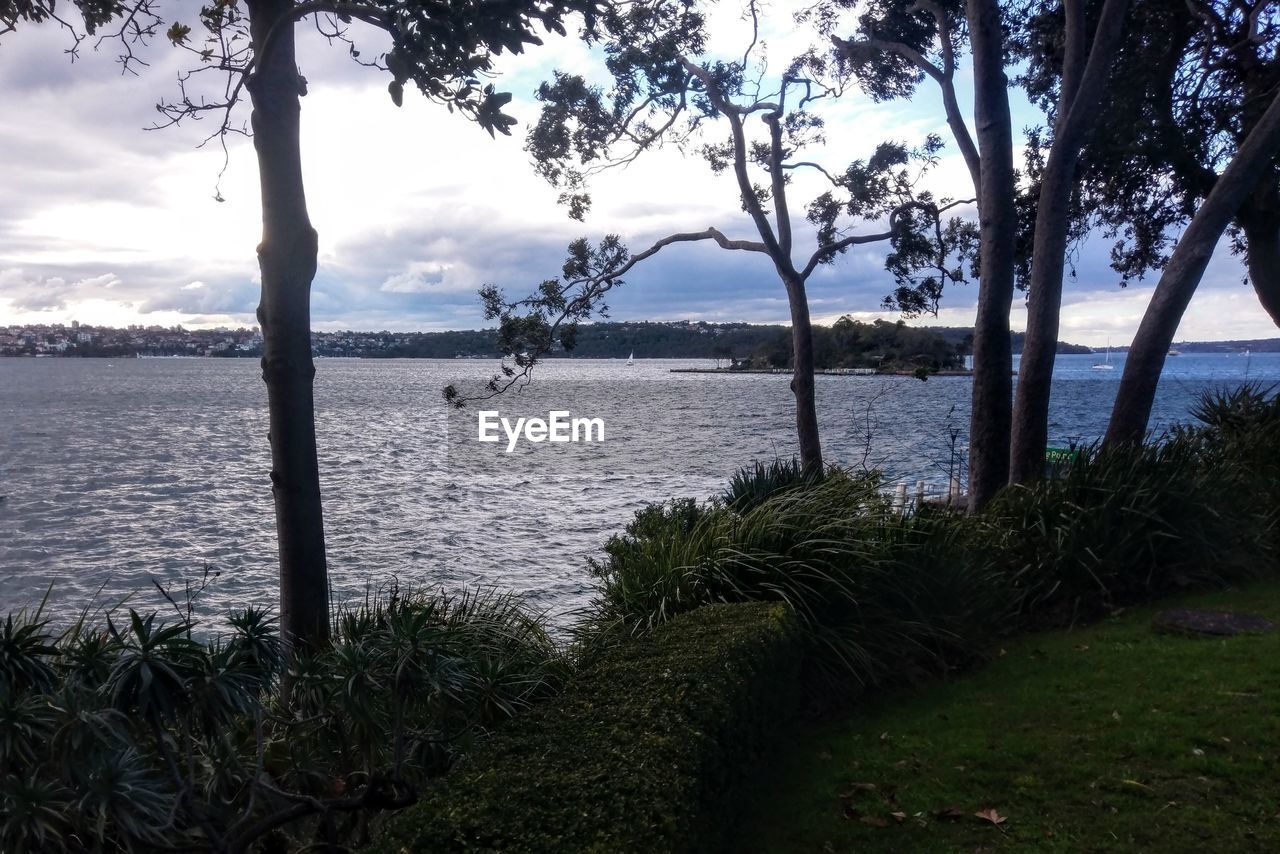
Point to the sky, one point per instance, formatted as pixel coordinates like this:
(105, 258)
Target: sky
(104, 222)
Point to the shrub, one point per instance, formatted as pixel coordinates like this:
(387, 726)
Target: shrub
(642, 752)
(876, 596)
(881, 597)
(137, 736)
(1198, 508)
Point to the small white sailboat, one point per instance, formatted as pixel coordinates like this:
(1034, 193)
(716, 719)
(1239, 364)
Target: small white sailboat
(631, 360)
(1105, 364)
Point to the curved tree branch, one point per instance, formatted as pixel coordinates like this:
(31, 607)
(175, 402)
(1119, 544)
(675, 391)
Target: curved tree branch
(750, 203)
(944, 77)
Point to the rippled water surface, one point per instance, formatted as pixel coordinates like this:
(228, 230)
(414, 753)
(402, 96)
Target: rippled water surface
(117, 472)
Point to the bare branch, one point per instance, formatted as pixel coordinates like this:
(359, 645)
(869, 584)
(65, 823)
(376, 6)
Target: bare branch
(750, 203)
(935, 211)
(830, 249)
(849, 47)
(589, 289)
(944, 77)
(809, 164)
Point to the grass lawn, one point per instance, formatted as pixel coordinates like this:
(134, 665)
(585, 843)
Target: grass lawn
(1107, 738)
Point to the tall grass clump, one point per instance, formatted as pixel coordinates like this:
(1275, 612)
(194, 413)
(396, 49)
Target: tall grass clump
(749, 487)
(1123, 526)
(135, 735)
(1197, 508)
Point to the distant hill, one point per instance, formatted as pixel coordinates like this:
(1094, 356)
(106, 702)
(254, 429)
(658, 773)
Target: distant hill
(963, 336)
(612, 340)
(846, 344)
(1254, 345)
(647, 339)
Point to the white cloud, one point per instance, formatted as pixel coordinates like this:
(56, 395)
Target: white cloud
(416, 208)
(420, 278)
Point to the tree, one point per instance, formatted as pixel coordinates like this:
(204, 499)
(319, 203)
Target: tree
(1191, 83)
(662, 92)
(898, 40)
(444, 48)
(1182, 274)
(896, 45)
(1085, 72)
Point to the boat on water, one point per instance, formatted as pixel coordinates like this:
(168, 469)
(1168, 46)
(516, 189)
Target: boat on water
(1105, 364)
(631, 360)
(1173, 351)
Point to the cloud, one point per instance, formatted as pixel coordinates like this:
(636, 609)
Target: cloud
(418, 279)
(416, 208)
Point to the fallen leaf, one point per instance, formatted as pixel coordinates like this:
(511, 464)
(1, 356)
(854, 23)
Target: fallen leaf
(1136, 783)
(1195, 751)
(857, 787)
(900, 816)
(992, 816)
(1115, 715)
(874, 821)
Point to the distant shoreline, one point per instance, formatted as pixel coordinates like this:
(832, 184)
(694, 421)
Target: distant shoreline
(825, 372)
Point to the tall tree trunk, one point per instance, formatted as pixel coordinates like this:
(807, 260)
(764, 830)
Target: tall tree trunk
(1259, 218)
(1083, 83)
(1182, 275)
(998, 219)
(287, 258)
(1262, 254)
(802, 379)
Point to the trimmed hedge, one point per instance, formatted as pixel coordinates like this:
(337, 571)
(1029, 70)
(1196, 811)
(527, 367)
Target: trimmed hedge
(643, 751)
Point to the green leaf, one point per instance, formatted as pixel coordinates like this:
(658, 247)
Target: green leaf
(178, 34)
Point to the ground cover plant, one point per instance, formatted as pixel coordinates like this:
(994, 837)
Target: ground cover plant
(646, 750)
(875, 596)
(1107, 738)
(132, 734)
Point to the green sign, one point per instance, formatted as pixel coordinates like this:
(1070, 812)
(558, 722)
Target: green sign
(1062, 455)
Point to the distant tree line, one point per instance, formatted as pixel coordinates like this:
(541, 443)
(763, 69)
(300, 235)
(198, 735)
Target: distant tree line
(963, 336)
(848, 343)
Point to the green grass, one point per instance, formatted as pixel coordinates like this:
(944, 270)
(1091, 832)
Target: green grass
(1109, 738)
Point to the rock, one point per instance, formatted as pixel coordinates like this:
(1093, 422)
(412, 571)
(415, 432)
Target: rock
(1194, 622)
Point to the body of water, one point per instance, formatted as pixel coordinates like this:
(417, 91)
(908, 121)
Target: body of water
(118, 472)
